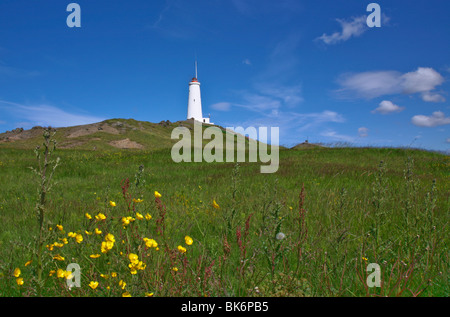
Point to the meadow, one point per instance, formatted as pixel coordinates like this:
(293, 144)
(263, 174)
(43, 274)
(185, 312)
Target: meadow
(139, 224)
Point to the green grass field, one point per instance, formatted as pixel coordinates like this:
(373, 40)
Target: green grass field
(357, 206)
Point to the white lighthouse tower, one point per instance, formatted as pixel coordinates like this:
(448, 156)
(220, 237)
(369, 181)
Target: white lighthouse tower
(195, 100)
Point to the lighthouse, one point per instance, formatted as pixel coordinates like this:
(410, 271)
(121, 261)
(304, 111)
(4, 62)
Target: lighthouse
(195, 100)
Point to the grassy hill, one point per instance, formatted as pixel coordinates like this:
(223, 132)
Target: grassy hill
(310, 229)
(109, 135)
(106, 135)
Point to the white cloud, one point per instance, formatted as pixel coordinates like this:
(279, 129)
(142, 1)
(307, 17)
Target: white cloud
(247, 62)
(422, 80)
(370, 84)
(386, 107)
(363, 132)
(378, 83)
(437, 118)
(221, 106)
(46, 115)
(432, 97)
(354, 27)
(448, 140)
(337, 137)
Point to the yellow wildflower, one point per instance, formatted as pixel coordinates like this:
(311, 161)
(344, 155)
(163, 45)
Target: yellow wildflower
(215, 205)
(58, 258)
(93, 284)
(122, 284)
(181, 249)
(112, 204)
(148, 294)
(175, 269)
(68, 275)
(94, 256)
(60, 227)
(113, 274)
(51, 272)
(79, 238)
(139, 216)
(188, 240)
(150, 243)
(100, 216)
(97, 231)
(60, 273)
(148, 216)
(28, 262)
(106, 246)
(71, 234)
(109, 237)
(132, 269)
(126, 294)
(19, 281)
(87, 232)
(125, 221)
(157, 195)
(138, 200)
(87, 215)
(133, 258)
(17, 272)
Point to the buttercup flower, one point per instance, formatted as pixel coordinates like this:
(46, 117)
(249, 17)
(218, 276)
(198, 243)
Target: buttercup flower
(126, 294)
(94, 256)
(60, 273)
(97, 231)
(93, 284)
(68, 275)
(133, 258)
(112, 204)
(157, 195)
(88, 216)
(79, 238)
(139, 216)
(110, 237)
(188, 240)
(100, 216)
(150, 243)
(59, 227)
(17, 272)
(58, 258)
(215, 205)
(148, 216)
(19, 281)
(181, 249)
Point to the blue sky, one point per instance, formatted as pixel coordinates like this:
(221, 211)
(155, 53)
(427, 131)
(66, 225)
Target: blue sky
(312, 68)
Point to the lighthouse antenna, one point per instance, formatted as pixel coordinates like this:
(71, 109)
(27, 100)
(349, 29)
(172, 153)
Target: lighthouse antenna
(196, 68)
